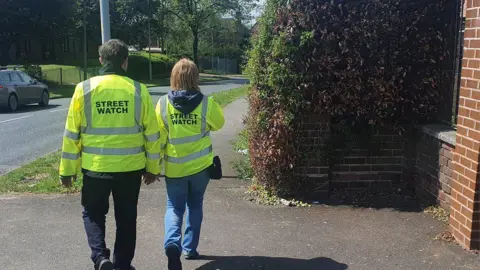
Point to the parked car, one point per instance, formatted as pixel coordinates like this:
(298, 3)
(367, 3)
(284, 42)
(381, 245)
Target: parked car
(132, 49)
(17, 88)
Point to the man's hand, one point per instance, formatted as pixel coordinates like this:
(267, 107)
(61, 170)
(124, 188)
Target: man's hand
(67, 180)
(149, 178)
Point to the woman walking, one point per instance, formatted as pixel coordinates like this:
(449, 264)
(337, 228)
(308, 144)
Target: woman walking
(186, 118)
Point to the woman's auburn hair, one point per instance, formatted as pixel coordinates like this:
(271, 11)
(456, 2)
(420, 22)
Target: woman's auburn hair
(185, 76)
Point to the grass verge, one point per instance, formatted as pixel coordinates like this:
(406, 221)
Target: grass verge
(226, 97)
(41, 176)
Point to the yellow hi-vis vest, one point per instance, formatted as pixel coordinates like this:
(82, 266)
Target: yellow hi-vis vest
(185, 138)
(111, 127)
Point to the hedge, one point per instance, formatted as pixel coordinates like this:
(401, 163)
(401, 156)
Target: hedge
(359, 62)
(138, 65)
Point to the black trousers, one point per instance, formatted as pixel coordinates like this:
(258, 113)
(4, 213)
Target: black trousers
(95, 200)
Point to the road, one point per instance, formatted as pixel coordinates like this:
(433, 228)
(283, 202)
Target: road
(33, 131)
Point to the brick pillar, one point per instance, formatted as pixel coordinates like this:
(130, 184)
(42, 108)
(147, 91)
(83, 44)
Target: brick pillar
(465, 207)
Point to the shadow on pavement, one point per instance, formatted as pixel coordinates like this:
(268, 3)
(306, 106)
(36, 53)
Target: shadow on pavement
(405, 201)
(267, 263)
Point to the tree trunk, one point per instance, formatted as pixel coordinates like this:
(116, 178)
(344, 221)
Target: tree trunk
(195, 46)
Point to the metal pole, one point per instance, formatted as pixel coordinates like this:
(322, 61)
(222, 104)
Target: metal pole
(149, 42)
(213, 51)
(84, 39)
(105, 20)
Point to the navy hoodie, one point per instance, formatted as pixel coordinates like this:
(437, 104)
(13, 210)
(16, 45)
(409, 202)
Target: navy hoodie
(185, 101)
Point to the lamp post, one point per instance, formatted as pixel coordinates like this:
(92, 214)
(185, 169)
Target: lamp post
(105, 20)
(149, 42)
(84, 39)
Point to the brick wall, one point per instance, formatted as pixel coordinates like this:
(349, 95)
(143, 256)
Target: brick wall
(433, 170)
(465, 209)
(374, 162)
(383, 161)
(312, 171)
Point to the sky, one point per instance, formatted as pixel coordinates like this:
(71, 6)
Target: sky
(258, 12)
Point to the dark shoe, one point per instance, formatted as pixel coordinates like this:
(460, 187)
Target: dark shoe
(173, 255)
(191, 255)
(104, 264)
(131, 268)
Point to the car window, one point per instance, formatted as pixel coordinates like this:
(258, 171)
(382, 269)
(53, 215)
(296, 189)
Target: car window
(25, 77)
(4, 77)
(14, 77)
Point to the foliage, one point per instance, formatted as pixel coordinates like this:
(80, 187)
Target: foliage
(243, 166)
(361, 63)
(272, 148)
(34, 71)
(19, 19)
(438, 213)
(259, 194)
(128, 19)
(138, 65)
(197, 15)
(181, 28)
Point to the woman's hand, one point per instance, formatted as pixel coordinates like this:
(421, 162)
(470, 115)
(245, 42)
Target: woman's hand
(149, 178)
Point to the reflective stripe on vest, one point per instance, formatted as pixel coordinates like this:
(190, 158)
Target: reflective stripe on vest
(190, 157)
(70, 156)
(153, 156)
(71, 135)
(189, 139)
(153, 137)
(88, 129)
(113, 151)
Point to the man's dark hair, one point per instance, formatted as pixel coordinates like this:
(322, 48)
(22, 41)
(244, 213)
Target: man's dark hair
(114, 51)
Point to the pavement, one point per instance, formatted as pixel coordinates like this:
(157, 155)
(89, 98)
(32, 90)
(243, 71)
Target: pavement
(34, 131)
(45, 232)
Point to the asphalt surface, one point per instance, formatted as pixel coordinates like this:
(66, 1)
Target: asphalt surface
(45, 232)
(34, 131)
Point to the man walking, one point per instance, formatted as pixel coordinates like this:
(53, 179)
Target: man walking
(112, 126)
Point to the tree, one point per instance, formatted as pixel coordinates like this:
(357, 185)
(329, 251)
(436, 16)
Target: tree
(195, 14)
(22, 19)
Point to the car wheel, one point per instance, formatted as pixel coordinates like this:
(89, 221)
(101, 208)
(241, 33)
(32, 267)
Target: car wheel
(12, 103)
(45, 99)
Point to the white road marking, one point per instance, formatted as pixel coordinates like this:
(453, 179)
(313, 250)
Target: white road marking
(14, 119)
(59, 110)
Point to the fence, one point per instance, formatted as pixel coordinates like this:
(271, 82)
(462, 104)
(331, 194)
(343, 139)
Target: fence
(219, 65)
(68, 76)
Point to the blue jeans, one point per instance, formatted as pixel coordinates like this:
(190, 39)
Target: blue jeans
(185, 193)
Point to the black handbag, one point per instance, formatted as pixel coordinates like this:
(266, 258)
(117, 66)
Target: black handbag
(216, 169)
